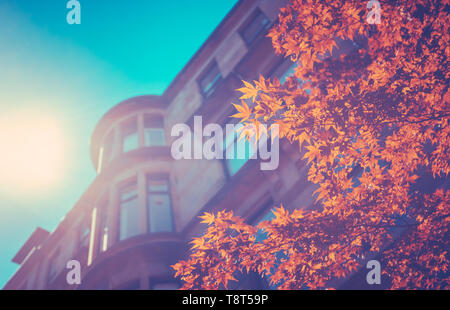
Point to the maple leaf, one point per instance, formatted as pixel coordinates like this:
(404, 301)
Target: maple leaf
(303, 137)
(249, 91)
(375, 119)
(198, 243)
(312, 154)
(244, 111)
(207, 218)
(332, 256)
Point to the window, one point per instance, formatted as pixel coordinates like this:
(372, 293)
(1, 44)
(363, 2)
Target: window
(102, 235)
(85, 231)
(267, 216)
(159, 207)
(210, 79)
(257, 25)
(237, 151)
(106, 152)
(129, 211)
(129, 135)
(154, 131)
(289, 72)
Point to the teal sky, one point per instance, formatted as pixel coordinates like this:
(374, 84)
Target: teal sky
(69, 76)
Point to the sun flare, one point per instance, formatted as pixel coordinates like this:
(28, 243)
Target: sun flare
(32, 153)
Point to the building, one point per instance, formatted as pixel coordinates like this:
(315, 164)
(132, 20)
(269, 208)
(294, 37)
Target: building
(141, 211)
(139, 214)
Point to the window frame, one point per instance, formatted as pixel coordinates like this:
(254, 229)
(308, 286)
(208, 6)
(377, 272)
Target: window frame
(108, 149)
(148, 192)
(102, 225)
(225, 148)
(120, 200)
(85, 226)
(124, 126)
(154, 122)
(217, 81)
(261, 31)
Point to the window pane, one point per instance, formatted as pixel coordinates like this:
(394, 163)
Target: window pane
(129, 135)
(243, 149)
(160, 213)
(257, 26)
(104, 240)
(155, 137)
(157, 186)
(130, 142)
(210, 80)
(289, 72)
(102, 235)
(242, 152)
(268, 216)
(234, 165)
(129, 219)
(128, 192)
(230, 138)
(153, 121)
(129, 212)
(84, 238)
